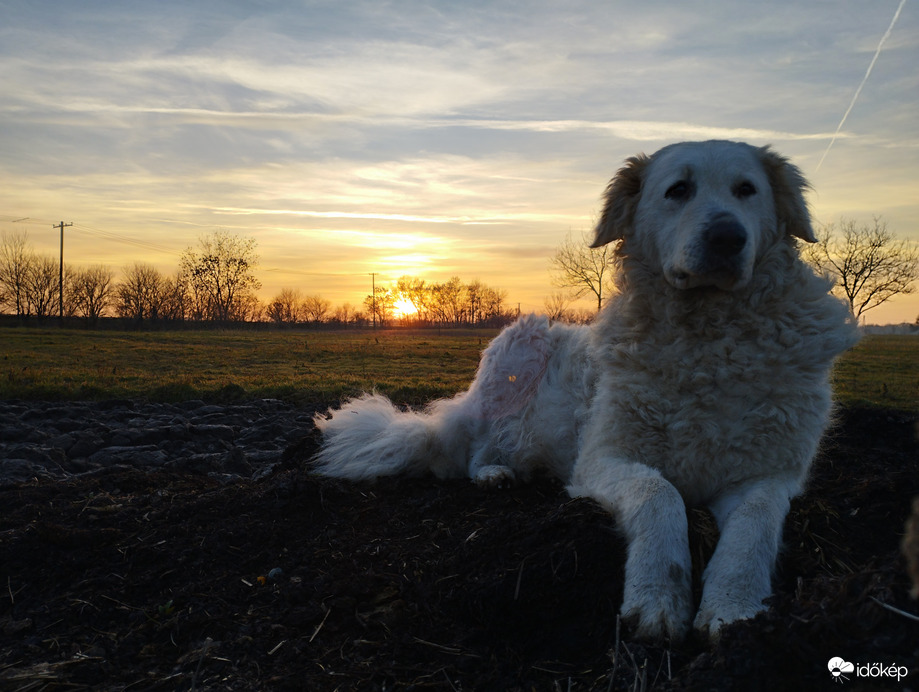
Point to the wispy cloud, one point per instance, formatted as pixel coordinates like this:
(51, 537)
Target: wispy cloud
(343, 215)
(490, 126)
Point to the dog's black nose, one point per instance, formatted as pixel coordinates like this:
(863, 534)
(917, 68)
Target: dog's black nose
(725, 236)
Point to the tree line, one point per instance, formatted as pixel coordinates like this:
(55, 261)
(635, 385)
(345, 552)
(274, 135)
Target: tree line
(216, 282)
(411, 301)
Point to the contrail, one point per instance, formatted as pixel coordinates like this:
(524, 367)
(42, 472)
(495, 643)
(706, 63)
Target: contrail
(858, 91)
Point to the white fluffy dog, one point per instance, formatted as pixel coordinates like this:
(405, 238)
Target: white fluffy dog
(703, 382)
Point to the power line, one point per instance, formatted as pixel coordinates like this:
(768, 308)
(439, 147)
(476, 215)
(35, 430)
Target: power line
(300, 272)
(108, 235)
(98, 232)
(147, 245)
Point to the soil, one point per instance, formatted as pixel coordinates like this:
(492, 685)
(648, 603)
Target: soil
(142, 579)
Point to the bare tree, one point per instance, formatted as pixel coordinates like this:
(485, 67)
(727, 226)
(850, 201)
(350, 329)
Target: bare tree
(345, 314)
(381, 304)
(16, 259)
(451, 302)
(475, 296)
(220, 274)
(482, 302)
(174, 303)
(315, 308)
(448, 301)
(285, 308)
(90, 291)
(248, 308)
(556, 306)
(42, 285)
(585, 270)
(491, 306)
(141, 292)
(417, 292)
(869, 264)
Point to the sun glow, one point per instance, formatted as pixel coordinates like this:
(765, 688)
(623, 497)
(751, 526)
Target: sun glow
(404, 307)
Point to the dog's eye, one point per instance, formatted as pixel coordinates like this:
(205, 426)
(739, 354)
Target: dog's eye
(744, 189)
(680, 190)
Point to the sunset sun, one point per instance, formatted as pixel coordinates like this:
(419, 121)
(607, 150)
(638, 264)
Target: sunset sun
(405, 308)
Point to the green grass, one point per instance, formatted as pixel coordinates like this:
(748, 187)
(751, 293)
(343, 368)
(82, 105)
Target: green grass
(880, 371)
(220, 366)
(315, 367)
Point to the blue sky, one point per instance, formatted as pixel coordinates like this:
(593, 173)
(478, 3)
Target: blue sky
(427, 138)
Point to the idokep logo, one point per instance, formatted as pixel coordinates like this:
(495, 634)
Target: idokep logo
(838, 667)
(842, 670)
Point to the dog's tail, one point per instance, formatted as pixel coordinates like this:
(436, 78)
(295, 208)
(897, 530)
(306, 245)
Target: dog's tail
(369, 437)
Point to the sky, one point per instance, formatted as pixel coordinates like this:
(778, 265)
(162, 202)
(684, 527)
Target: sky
(429, 139)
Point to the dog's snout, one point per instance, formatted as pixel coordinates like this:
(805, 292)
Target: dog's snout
(725, 236)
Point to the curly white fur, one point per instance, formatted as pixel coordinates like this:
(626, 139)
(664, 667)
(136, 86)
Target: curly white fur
(704, 381)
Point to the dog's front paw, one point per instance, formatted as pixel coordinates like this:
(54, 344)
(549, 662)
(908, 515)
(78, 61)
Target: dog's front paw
(716, 612)
(661, 609)
(494, 476)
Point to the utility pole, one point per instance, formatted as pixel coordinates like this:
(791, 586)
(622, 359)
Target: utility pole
(373, 298)
(60, 284)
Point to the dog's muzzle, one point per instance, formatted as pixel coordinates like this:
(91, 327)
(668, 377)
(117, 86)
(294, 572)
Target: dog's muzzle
(717, 258)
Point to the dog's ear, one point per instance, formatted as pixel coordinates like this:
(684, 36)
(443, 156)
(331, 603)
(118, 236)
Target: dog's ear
(788, 188)
(621, 198)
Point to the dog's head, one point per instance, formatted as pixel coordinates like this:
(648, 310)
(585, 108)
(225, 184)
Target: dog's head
(702, 212)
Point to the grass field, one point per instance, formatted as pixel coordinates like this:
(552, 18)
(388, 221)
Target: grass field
(310, 367)
(880, 371)
(221, 366)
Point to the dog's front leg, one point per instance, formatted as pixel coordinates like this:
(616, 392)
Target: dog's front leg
(657, 598)
(738, 577)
